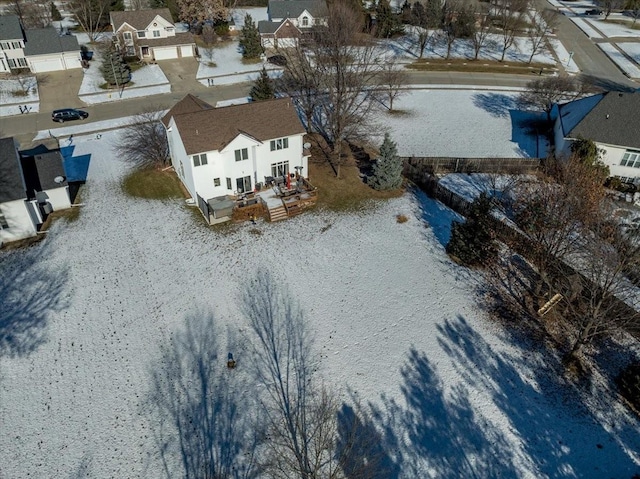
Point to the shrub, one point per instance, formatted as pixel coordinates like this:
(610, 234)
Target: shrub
(401, 219)
(628, 382)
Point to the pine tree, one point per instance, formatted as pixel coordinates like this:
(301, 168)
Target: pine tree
(55, 13)
(250, 39)
(387, 23)
(114, 70)
(263, 88)
(472, 241)
(387, 170)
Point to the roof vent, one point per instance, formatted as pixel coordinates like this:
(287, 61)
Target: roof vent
(620, 94)
(607, 116)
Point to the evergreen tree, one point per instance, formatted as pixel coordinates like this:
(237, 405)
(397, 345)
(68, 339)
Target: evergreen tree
(262, 88)
(433, 12)
(55, 13)
(418, 15)
(170, 4)
(472, 241)
(250, 39)
(387, 23)
(114, 70)
(387, 170)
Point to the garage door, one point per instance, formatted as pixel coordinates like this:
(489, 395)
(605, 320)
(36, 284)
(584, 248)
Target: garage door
(186, 50)
(45, 65)
(165, 53)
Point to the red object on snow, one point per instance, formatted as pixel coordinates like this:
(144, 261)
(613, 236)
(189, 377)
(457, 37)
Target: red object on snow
(288, 181)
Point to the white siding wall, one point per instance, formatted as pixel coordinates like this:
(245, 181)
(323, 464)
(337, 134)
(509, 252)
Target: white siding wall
(59, 198)
(612, 157)
(20, 224)
(178, 156)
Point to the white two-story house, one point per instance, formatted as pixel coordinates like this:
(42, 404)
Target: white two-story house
(11, 44)
(611, 120)
(232, 150)
(150, 35)
(289, 20)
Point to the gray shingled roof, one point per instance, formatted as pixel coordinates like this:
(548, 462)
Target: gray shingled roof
(41, 41)
(613, 120)
(294, 8)
(49, 167)
(10, 27)
(11, 184)
(266, 27)
(139, 19)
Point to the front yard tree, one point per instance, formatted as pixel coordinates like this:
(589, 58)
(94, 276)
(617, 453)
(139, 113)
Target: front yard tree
(144, 141)
(195, 12)
(510, 18)
(472, 242)
(387, 23)
(482, 29)
(262, 88)
(392, 79)
(542, 23)
(55, 13)
(387, 169)
(541, 94)
(250, 39)
(114, 69)
(90, 15)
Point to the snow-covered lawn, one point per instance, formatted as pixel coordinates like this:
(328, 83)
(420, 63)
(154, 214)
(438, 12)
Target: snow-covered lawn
(612, 30)
(395, 322)
(257, 14)
(631, 49)
(12, 99)
(404, 48)
(630, 68)
(566, 59)
(460, 123)
(148, 80)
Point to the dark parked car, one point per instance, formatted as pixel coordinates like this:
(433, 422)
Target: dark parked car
(68, 114)
(593, 11)
(279, 60)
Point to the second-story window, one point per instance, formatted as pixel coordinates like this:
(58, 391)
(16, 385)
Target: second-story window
(242, 154)
(279, 144)
(305, 21)
(199, 160)
(142, 34)
(5, 45)
(16, 45)
(127, 35)
(156, 33)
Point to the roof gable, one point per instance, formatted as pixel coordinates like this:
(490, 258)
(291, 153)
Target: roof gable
(213, 129)
(613, 120)
(189, 104)
(139, 19)
(42, 170)
(41, 41)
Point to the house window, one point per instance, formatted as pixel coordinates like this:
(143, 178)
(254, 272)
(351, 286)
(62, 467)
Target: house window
(279, 144)
(631, 158)
(169, 29)
(243, 184)
(3, 222)
(216, 182)
(181, 169)
(23, 62)
(280, 169)
(127, 35)
(16, 45)
(228, 183)
(625, 179)
(199, 160)
(12, 63)
(156, 33)
(305, 21)
(142, 34)
(242, 154)
(5, 46)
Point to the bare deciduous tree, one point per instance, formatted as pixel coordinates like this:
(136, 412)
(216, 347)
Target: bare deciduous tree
(483, 28)
(90, 15)
(197, 11)
(609, 6)
(32, 13)
(144, 142)
(543, 93)
(392, 80)
(510, 16)
(200, 416)
(542, 24)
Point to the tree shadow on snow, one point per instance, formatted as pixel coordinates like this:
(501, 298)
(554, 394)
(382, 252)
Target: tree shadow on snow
(496, 104)
(30, 291)
(436, 215)
(198, 407)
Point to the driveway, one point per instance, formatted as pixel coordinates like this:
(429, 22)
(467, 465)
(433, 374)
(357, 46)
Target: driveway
(60, 89)
(181, 73)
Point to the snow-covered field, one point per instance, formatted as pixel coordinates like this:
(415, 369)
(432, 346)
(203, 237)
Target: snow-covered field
(459, 123)
(631, 49)
(630, 68)
(395, 323)
(13, 102)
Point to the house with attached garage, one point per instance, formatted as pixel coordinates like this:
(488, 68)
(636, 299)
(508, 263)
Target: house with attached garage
(222, 154)
(32, 185)
(289, 20)
(150, 35)
(611, 120)
(38, 49)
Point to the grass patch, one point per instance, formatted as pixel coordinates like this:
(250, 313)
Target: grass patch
(401, 219)
(106, 86)
(625, 23)
(20, 93)
(152, 184)
(251, 61)
(485, 66)
(347, 193)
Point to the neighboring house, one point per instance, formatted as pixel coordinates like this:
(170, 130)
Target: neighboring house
(150, 35)
(290, 20)
(32, 186)
(228, 151)
(39, 49)
(609, 119)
